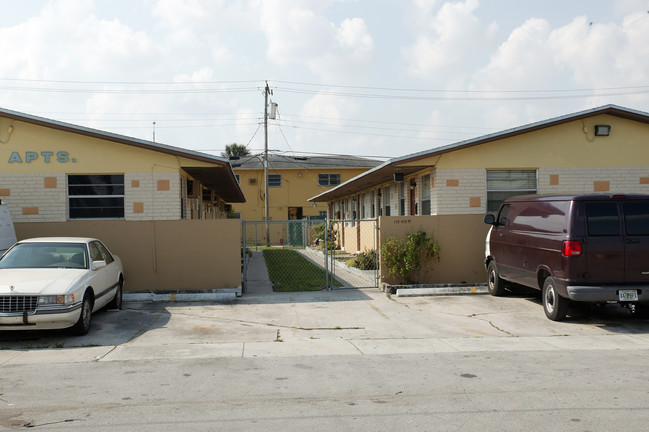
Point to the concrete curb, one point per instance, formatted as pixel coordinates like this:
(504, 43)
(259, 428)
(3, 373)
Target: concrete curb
(433, 290)
(439, 291)
(221, 295)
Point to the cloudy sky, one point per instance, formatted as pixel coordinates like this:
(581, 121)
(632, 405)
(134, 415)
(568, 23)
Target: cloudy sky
(380, 78)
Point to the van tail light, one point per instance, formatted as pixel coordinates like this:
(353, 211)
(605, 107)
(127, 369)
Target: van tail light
(571, 248)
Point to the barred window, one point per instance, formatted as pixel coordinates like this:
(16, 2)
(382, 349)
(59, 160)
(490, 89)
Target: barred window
(502, 184)
(96, 196)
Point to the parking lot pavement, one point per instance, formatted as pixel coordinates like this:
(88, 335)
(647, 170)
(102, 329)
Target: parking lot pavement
(345, 322)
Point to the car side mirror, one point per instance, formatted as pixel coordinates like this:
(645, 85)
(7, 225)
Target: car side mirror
(490, 219)
(96, 265)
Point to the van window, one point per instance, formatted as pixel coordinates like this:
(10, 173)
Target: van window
(636, 218)
(547, 217)
(602, 219)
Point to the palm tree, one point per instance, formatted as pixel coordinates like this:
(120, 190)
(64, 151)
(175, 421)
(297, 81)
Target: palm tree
(235, 150)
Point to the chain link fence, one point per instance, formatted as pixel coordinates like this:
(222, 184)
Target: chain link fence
(311, 255)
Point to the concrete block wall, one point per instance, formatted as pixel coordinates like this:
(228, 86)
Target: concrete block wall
(35, 197)
(44, 198)
(594, 179)
(458, 191)
(152, 196)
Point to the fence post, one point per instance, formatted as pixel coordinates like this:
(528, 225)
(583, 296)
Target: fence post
(244, 257)
(377, 271)
(326, 252)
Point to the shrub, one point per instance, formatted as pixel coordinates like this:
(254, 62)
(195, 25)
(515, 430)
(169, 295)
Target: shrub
(407, 259)
(319, 233)
(365, 260)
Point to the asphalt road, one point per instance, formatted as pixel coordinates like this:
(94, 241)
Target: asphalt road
(350, 360)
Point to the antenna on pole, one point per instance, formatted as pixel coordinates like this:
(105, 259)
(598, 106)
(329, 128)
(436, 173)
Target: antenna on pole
(153, 131)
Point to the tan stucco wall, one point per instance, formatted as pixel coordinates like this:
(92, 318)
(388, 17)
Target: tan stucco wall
(358, 236)
(462, 242)
(162, 255)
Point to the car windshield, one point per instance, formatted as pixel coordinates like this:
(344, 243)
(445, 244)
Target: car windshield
(45, 255)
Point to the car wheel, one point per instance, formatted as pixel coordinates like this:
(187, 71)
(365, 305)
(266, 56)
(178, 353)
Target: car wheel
(116, 302)
(83, 324)
(555, 306)
(495, 284)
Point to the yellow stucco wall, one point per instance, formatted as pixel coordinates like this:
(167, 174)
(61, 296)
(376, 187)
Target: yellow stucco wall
(565, 145)
(298, 185)
(28, 148)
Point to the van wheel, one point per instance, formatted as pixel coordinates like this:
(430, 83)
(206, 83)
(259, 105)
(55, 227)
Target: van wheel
(555, 306)
(496, 285)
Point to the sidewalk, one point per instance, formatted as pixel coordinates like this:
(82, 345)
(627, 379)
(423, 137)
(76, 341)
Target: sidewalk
(258, 281)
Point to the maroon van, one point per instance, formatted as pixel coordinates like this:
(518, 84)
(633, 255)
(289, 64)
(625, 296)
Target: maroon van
(587, 248)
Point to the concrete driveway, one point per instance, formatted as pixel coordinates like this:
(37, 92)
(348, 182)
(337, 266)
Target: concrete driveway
(345, 322)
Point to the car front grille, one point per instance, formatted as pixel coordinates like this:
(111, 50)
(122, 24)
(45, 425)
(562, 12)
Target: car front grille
(18, 303)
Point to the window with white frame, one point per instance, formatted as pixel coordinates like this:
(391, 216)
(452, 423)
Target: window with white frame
(96, 196)
(274, 180)
(373, 206)
(328, 179)
(502, 184)
(425, 195)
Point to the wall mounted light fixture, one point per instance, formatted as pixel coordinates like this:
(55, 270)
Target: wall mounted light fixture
(602, 130)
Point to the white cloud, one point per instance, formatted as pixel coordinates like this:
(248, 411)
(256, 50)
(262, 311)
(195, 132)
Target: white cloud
(448, 40)
(298, 35)
(579, 55)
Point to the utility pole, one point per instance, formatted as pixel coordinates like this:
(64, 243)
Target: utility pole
(266, 93)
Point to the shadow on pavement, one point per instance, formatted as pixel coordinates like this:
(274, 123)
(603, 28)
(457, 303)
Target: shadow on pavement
(611, 317)
(340, 295)
(109, 327)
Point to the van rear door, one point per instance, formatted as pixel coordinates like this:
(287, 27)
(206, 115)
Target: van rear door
(636, 241)
(605, 248)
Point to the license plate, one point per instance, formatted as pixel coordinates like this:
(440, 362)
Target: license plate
(628, 295)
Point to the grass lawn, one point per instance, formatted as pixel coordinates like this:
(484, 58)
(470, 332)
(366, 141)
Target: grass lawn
(289, 271)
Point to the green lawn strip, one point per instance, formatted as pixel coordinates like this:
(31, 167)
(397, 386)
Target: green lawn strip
(289, 271)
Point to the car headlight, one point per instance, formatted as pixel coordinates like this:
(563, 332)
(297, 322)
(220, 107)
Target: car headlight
(56, 299)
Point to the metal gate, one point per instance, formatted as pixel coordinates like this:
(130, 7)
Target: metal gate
(309, 254)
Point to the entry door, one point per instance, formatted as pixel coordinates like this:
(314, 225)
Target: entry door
(294, 213)
(413, 191)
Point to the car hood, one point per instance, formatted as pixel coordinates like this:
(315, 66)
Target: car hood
(38, 281)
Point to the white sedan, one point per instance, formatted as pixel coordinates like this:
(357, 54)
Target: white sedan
(58, 282)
